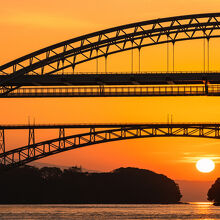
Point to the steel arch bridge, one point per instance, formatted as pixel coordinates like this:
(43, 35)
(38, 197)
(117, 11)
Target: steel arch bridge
(68, 54)
(98, 133)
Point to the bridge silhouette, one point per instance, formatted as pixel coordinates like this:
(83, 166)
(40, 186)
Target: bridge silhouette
(96, 134)
(46, 67)
(41, 74)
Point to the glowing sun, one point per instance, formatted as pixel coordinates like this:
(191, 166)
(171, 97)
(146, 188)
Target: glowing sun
(205, 165)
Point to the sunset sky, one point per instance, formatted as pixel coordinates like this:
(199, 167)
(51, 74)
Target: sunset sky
(29, 25)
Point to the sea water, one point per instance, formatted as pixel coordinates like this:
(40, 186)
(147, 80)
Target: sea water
(90, 212)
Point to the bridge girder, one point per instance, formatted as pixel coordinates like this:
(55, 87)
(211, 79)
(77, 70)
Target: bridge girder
(116, 78)
(35, 151)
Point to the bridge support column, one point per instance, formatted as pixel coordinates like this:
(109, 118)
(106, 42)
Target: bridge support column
(97, 61)
(217, 132)
(139, 64)
(31, 141)
(206, 54)
(201, 132)
(31, 136)
(204, 58)
(132, 58)
(170, 131)
(208, 42)
(101, 89)
(206, 88)
(173, 56)
(92, 134)
(106, 62)
(61, 135)
(167, 54)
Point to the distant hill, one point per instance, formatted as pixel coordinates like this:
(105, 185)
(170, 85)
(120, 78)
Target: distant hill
(62, 167)
(52, 185)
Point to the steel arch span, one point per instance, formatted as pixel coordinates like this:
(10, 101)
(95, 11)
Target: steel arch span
(109, 133)
(103, 43)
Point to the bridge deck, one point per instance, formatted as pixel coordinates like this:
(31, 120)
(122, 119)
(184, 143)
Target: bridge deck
(106, 125)
(143, 78)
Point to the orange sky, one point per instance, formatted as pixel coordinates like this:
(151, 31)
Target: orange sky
(30, 25)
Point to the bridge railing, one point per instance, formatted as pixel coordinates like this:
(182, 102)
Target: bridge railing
(102, 91)
(107, 125)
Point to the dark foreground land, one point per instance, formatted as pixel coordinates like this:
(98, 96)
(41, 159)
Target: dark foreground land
(30, 185)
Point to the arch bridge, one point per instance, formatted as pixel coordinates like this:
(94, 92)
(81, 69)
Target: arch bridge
(95, 134)
(46, 66)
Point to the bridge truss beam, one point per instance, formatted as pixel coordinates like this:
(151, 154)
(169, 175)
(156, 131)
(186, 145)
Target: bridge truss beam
(98, 134)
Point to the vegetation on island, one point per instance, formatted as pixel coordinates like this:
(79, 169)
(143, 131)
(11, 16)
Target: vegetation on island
(32, 185)
(214, 193)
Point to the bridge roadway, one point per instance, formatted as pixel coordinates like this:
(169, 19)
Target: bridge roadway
(116, 78)
(108, 125)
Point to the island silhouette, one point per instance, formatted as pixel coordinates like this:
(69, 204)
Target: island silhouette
(51, 185)
(214, 193)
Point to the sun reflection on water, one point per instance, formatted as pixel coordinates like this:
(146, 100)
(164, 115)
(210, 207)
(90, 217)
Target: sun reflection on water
(204, 208)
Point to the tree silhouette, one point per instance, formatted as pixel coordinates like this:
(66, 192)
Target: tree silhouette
(52, 185)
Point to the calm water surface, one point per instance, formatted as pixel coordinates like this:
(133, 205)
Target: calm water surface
(90, 212)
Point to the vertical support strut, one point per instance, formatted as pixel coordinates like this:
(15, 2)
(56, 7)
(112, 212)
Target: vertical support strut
(61, 135)
(92, 134)
(167, 55)
(63, 66)
(31, 136)
(204, 55)
(208, 54)
(2, 141)
(97, 62)
(206, 88)
(132, 58)
(106, 62)
(173, 56)
(139, 64)
(31, 141)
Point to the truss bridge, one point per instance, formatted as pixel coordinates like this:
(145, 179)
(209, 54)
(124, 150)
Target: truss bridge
(50, 72)
(94, 134)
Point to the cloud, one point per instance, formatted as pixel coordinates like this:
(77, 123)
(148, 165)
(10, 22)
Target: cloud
(194, 159)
